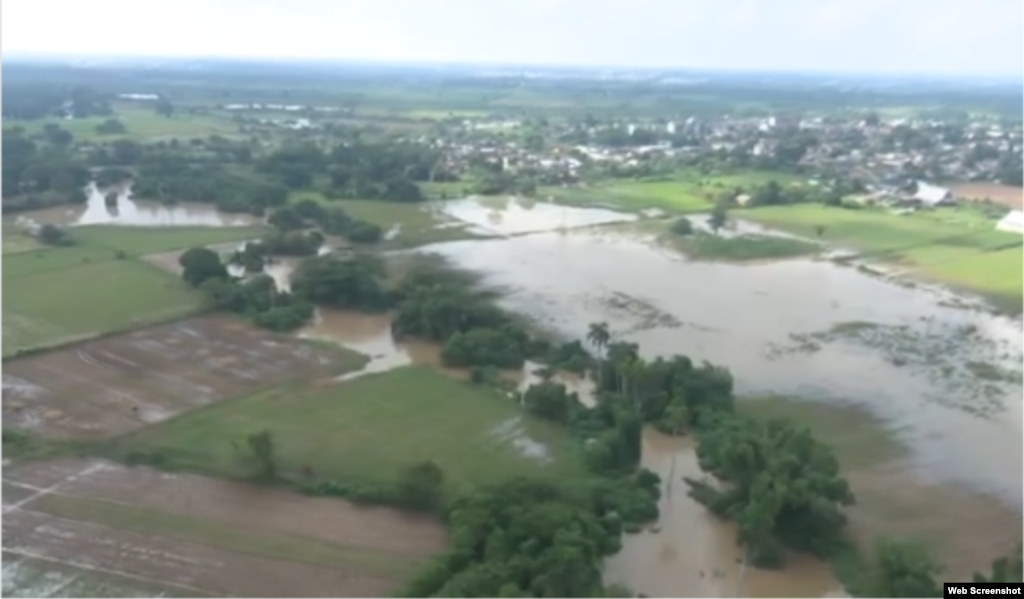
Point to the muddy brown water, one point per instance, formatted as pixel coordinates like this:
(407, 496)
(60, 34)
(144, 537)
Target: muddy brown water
(690, 553)
(370, 334)
(138, 213)
(966, 435)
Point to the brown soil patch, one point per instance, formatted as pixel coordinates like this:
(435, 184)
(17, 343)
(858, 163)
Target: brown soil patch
(184, 565)
(238, 504)
(122, 383)
(191, 565)
(1003, 194)
(963, 529)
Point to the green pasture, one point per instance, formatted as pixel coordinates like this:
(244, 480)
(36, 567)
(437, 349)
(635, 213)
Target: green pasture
(368, 429)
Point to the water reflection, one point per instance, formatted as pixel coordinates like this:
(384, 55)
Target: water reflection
(124, 210)
(735, 314)
(690, 553)
(505, 215)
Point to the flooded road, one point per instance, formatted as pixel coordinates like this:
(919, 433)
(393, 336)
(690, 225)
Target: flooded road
(692, 554)
(139, 213)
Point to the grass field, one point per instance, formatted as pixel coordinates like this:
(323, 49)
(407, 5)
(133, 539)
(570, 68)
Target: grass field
(58, 305)
(15, 240)
(410, 225)
(705, 246)
(368, 429)
(957, 247)
(56, 294)
(138, 241)
(686, 191)
(142, 123)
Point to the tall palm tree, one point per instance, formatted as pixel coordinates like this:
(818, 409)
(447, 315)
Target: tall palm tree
(600, 337)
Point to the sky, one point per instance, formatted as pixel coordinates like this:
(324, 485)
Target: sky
(938, 37)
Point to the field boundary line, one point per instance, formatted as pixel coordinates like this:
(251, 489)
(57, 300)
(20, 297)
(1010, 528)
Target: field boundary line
(70, 342)
(48, 490)
(38, 556)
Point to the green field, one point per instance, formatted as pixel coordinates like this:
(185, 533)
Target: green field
(139, 241)
(368, 429)
(411, 224)
(56, 294)
(16, 240)
(959, 247)
(141, 122)
(58, 305)
(706, 246)
(684, 192)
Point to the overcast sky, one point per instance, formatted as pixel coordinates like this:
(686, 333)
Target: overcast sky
(983, 37)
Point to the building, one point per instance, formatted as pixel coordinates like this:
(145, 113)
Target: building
(1013, 222)
(931, 196)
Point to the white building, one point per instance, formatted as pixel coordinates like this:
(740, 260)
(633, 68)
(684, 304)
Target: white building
(932, 195)
(1013, 222)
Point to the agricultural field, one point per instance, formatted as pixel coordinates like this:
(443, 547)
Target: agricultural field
(96, 524)
(57, 294)
(142, 123)
(405, 225)
(957, 247)
(368, 428)
(958, 526)
(685, 192)
(139, 241)
(122, 383)
(1004, 194)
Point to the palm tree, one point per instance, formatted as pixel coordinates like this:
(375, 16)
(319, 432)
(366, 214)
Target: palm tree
(600, 337)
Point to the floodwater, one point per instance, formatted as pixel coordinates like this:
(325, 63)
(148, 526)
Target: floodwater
(792, 328)
(138, 213)
(740, 315)
(692, 554)
(504, 216)
(370, 334)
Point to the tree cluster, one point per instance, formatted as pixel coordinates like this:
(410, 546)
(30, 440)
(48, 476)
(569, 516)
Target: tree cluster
(257, 298)
(37, 175)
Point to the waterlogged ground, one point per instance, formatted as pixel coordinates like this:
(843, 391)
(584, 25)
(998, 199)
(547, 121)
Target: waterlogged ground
(138, 213)
(505, 216)
(941, 374)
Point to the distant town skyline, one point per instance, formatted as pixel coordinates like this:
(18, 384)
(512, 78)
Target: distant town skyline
(934, 37)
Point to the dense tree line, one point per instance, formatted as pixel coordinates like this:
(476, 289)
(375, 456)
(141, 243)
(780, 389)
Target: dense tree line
(40, 101)
(330, 220)
(39, 174)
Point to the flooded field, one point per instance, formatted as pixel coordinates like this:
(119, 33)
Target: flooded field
(944, 380)
(188, 535)
(692, 554)
(123, 383)
(139, 213)
(505, 216)
(370, 335)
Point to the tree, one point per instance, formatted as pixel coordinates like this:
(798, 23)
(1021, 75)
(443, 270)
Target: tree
(164, 107)
(1004, 569)
(780, 484)
(111, 127)
(682, 226)
(54, 235)
(200, 264)
(600, 337)
(719, 216)
(902, 569)
(421, 485)
(261, 445)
